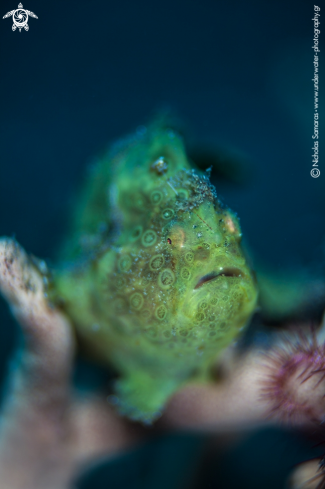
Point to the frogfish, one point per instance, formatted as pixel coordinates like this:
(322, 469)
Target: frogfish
(156, 282)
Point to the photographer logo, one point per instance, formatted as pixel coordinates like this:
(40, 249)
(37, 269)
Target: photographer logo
(20, 18)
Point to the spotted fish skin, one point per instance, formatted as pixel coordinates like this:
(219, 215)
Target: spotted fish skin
(164, 286)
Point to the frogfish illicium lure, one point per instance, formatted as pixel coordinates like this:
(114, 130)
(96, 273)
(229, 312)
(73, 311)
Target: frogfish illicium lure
(158, 283)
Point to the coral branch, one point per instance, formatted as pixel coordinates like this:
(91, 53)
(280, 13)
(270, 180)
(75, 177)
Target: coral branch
(46, 435)
(233, 404)
(286, 385)
(308, 475)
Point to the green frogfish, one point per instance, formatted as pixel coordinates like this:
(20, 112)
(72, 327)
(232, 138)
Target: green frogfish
(157, 284)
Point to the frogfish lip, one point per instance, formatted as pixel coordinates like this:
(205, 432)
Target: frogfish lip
(225, 272)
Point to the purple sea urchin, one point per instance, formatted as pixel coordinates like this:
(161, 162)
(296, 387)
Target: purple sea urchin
(295, 385)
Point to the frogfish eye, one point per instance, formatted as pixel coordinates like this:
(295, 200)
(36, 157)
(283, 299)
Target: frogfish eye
(226, 272)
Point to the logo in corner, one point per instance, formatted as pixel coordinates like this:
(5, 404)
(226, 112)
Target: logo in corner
(20, 18)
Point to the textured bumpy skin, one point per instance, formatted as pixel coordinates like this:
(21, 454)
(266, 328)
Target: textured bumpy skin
(163, 285)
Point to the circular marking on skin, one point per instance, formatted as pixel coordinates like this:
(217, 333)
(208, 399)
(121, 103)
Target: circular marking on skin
(214, 300)
(145, 313)
(199, 316)
(149, 238)
(124, 263)
(136, 301)
(168, 213)
(120, 282)
(203, 304)
(182, 193)
(157, 262)
(161, 312)
(223, 326)
(206, 246)
(189, 257)
(136, 233)
(156, 197)
(166, 278)
(185, 273)
(183, 332)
